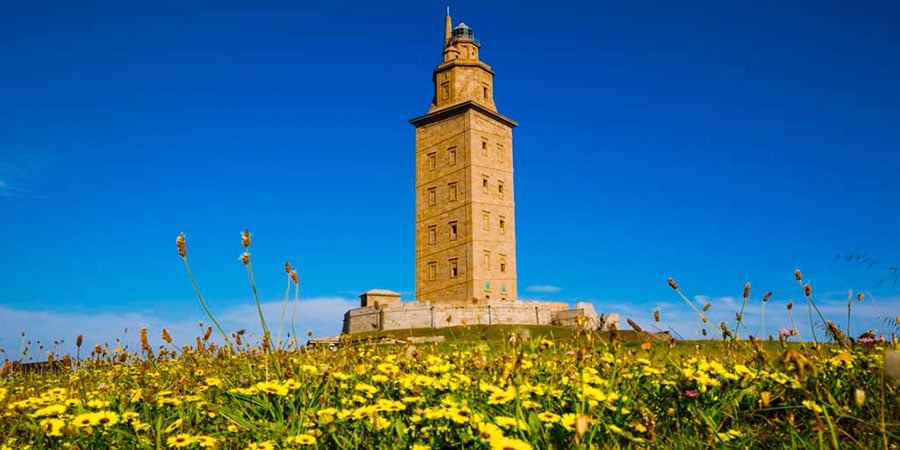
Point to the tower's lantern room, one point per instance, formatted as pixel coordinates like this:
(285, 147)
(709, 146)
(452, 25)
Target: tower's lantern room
(461, 76)
(462, 32)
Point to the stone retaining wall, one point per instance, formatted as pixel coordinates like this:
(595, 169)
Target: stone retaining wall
(411, 315)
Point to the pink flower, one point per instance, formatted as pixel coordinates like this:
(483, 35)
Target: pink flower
(786, 332)
(691, 392)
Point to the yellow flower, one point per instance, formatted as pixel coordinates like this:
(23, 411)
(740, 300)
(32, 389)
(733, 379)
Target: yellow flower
(302, 439)
(52, 410)
(173, 426)
(388, 369)
(206, 441)
(548, 417)
(83, 420)
(502, 397)
(379, 378)
(265, 445)
(510, 422)
(488, 431)
(180, 440)
(106, 418)
(505, 443)
(98, 404)
(812, 406)
(272, 387)
(52, 426)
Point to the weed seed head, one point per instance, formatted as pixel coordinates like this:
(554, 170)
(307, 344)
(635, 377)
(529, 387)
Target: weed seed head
(182, 247)
(746, 291)
(790, 306)
(656, 315)
(245, 238)
(166, 336)
(634, 325)
(707, 306)
(798, 275)
(859, 297)
(287, 267)
(79, 340)
(294, 277)
(807, 290)
(766, 297)
(245, 258)
(673, 284)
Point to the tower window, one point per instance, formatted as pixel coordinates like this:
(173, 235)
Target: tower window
(500, 189)
(503, 266)
(432, 234)
(484, 92)
(484, 151)
(451, 156)
(432, 196)
(484, 183)
(487, 260)
(454, 268)
(453, 191)
(445, 90)
(453, 230)
(432, 270)
(432, 161)
(486, 218)
(502, 225)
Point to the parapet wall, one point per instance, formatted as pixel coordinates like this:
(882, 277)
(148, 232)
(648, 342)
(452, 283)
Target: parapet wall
(411, 315)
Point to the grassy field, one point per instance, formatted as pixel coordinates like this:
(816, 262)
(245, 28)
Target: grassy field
(496, 387)
(499, 387)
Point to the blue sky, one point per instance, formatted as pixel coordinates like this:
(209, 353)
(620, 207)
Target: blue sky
(714, 142)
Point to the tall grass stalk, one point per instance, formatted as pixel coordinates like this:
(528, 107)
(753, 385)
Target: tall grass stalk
(287, 292)
(245, 258)
(296, 280)
(739, 318)
(762, 315)
(702, 317)
(182, 251)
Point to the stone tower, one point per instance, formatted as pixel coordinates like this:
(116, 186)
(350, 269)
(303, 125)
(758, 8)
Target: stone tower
(465, 227)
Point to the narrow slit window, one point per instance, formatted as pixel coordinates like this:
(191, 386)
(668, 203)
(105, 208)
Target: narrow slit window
(432, 234)
(432, 196)
(454, 268)
(432, 270)
(454, 230)
(453, 193)
(432, 161)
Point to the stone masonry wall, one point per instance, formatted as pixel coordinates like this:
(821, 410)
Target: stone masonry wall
(413, 315)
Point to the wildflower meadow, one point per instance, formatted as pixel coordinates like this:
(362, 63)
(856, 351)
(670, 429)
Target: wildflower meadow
(537, 387)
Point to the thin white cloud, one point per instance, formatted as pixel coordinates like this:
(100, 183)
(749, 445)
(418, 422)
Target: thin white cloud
(543, 289)
(877, 314)
(57, 331)
(19, 174)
